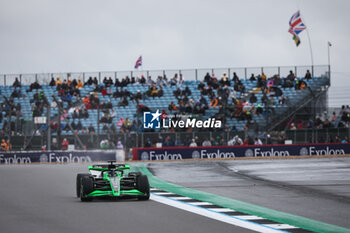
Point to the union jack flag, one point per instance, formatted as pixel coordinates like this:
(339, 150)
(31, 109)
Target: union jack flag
(138, 62)
(296, 24)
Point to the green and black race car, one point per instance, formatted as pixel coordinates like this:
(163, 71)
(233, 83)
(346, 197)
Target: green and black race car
(108, 180)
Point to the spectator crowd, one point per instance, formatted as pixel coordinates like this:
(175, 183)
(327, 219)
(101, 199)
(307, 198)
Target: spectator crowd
(228, 96)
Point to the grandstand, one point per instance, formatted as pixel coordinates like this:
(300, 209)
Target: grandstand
(237, 112)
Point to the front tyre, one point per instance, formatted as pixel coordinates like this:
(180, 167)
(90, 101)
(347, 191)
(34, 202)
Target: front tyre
(78, 182)
(143, 186)
(87, 186)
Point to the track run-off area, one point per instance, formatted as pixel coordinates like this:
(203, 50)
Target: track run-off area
(255, 195)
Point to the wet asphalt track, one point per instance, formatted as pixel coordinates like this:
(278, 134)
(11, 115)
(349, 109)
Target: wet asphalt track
(313, 188)
(41, 198)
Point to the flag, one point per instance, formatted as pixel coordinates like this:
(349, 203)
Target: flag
(296, 40)
(295, 37)
(138, 62)
(296, 23)
(296, 26)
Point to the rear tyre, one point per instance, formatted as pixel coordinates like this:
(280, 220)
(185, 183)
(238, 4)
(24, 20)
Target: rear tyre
(143, 186)
(87, 186)
(78, 183)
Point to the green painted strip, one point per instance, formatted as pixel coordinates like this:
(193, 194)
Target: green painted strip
(281, 217)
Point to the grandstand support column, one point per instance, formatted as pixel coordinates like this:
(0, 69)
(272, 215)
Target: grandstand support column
(229, 75)
(99, 77)
(138, 125)
(314, 110)
(5, 80)
(124, 144)
(196, 74)
(98, 123)
(59, 128)
(338, 130)
(329, 60)
(8, 118)
(295, 71)
(20, 78)
(84, 77)
(279, 71)
(48, 120)
(245, 73)
(9, 126)
(17, 123)
(137, 139)
(267, 123)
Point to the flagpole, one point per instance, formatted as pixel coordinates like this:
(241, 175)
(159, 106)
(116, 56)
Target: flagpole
(329, 56)
(311, 54)
(329, 59)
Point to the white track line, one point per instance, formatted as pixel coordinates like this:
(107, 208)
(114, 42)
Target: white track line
(181, 198)
(281, 226)
(221, 210)
(199, 203)
(248, 217)
(213, 214)
(162, 193)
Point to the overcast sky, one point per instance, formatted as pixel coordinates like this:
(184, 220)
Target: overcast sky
(67, 36)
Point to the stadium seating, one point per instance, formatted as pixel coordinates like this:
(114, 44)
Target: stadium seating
(162, 103)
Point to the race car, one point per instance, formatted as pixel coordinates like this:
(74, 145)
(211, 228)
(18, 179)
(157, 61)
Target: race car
(108, 180)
